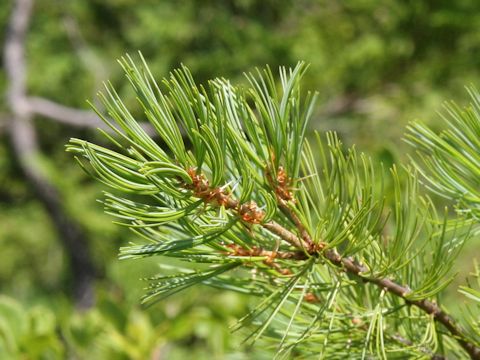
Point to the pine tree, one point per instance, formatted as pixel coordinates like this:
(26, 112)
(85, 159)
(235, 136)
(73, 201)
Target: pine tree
(233, 190)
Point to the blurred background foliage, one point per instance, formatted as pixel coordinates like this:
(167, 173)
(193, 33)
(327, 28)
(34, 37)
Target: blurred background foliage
(377, 65)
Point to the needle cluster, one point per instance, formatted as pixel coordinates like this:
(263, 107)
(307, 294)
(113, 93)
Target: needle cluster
(232, 189)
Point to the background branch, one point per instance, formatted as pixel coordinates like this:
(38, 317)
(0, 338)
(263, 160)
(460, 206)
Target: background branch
(71, 116)
(23, 139)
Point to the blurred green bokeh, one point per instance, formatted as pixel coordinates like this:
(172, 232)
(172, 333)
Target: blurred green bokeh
(377, 65)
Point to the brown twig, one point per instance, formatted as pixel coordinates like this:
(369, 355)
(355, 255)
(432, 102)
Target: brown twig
(269, 255)
(281, 183)
(256, 251)
(296, 220)
(249, 212)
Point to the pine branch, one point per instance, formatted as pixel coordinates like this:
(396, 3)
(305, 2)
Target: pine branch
(251, 214)
(354, 268)
(386, 284)
(403, 291)
(247, 192)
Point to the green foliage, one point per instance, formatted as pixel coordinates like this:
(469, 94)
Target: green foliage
(114, 330)
(451, 164)
(397, 59)
(472, 292)
(239, 199)
(451, 158)
(27, 334)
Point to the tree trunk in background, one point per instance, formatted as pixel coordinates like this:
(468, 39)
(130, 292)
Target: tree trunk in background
(24, 143)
